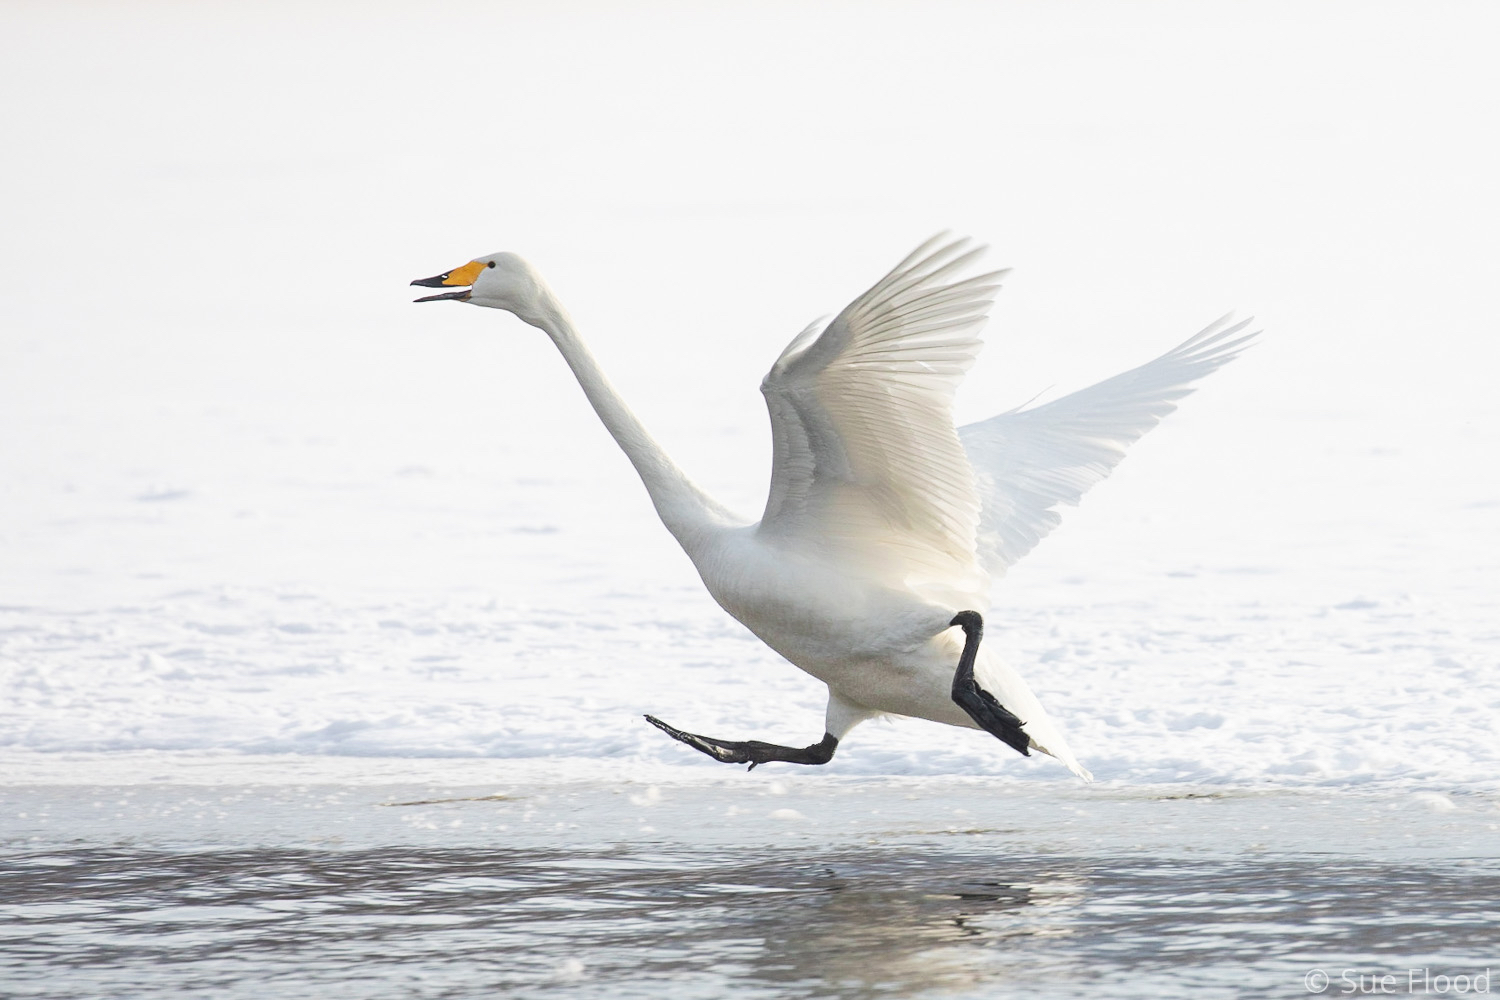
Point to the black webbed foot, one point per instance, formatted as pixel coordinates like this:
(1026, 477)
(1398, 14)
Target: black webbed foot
(751, 752)
(993, 717)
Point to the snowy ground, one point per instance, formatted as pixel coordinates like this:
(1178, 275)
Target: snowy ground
(259, 512)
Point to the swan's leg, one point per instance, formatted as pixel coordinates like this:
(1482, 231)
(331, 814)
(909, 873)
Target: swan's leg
(993, 717)
(752, 752)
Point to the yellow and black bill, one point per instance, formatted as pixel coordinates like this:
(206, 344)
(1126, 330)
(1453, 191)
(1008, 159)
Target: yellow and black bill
(458, 276)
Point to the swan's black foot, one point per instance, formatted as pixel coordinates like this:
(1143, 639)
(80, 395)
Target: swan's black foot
(751, 752)
(993, 717)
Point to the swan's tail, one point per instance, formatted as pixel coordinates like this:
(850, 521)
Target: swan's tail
(1060, 751)
(1007, 686)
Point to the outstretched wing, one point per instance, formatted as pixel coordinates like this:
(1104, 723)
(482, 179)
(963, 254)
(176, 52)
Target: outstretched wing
(1027, 462)
(867, 465)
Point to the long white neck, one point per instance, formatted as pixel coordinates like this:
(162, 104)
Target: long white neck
(686, 510)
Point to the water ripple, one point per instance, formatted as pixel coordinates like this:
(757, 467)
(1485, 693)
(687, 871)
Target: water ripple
(405, 922)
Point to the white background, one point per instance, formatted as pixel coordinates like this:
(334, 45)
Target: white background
(251, 498)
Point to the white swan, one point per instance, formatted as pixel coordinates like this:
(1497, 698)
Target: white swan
(871, 564)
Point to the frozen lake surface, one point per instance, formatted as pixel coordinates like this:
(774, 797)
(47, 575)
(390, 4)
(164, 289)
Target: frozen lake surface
(301, 877)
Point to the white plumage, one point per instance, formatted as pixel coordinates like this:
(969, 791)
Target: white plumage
(883, 521)
(1027, 462)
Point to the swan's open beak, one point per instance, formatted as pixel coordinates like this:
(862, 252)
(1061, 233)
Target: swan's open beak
(461, 296)
(458, 276)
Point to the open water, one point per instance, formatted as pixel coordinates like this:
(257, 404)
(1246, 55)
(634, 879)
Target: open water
(643, 922)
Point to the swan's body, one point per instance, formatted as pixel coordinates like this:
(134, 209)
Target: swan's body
(883, 522)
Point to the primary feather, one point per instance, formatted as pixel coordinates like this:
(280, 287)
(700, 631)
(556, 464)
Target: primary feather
(1027, 462)
(867, 465)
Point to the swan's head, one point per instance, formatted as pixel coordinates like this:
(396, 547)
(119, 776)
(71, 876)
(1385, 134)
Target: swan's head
(497, 280)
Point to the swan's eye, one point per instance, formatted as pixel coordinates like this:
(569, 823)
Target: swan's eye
(490, 264)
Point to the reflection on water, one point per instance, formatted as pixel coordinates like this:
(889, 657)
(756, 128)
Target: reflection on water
(405, 922)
